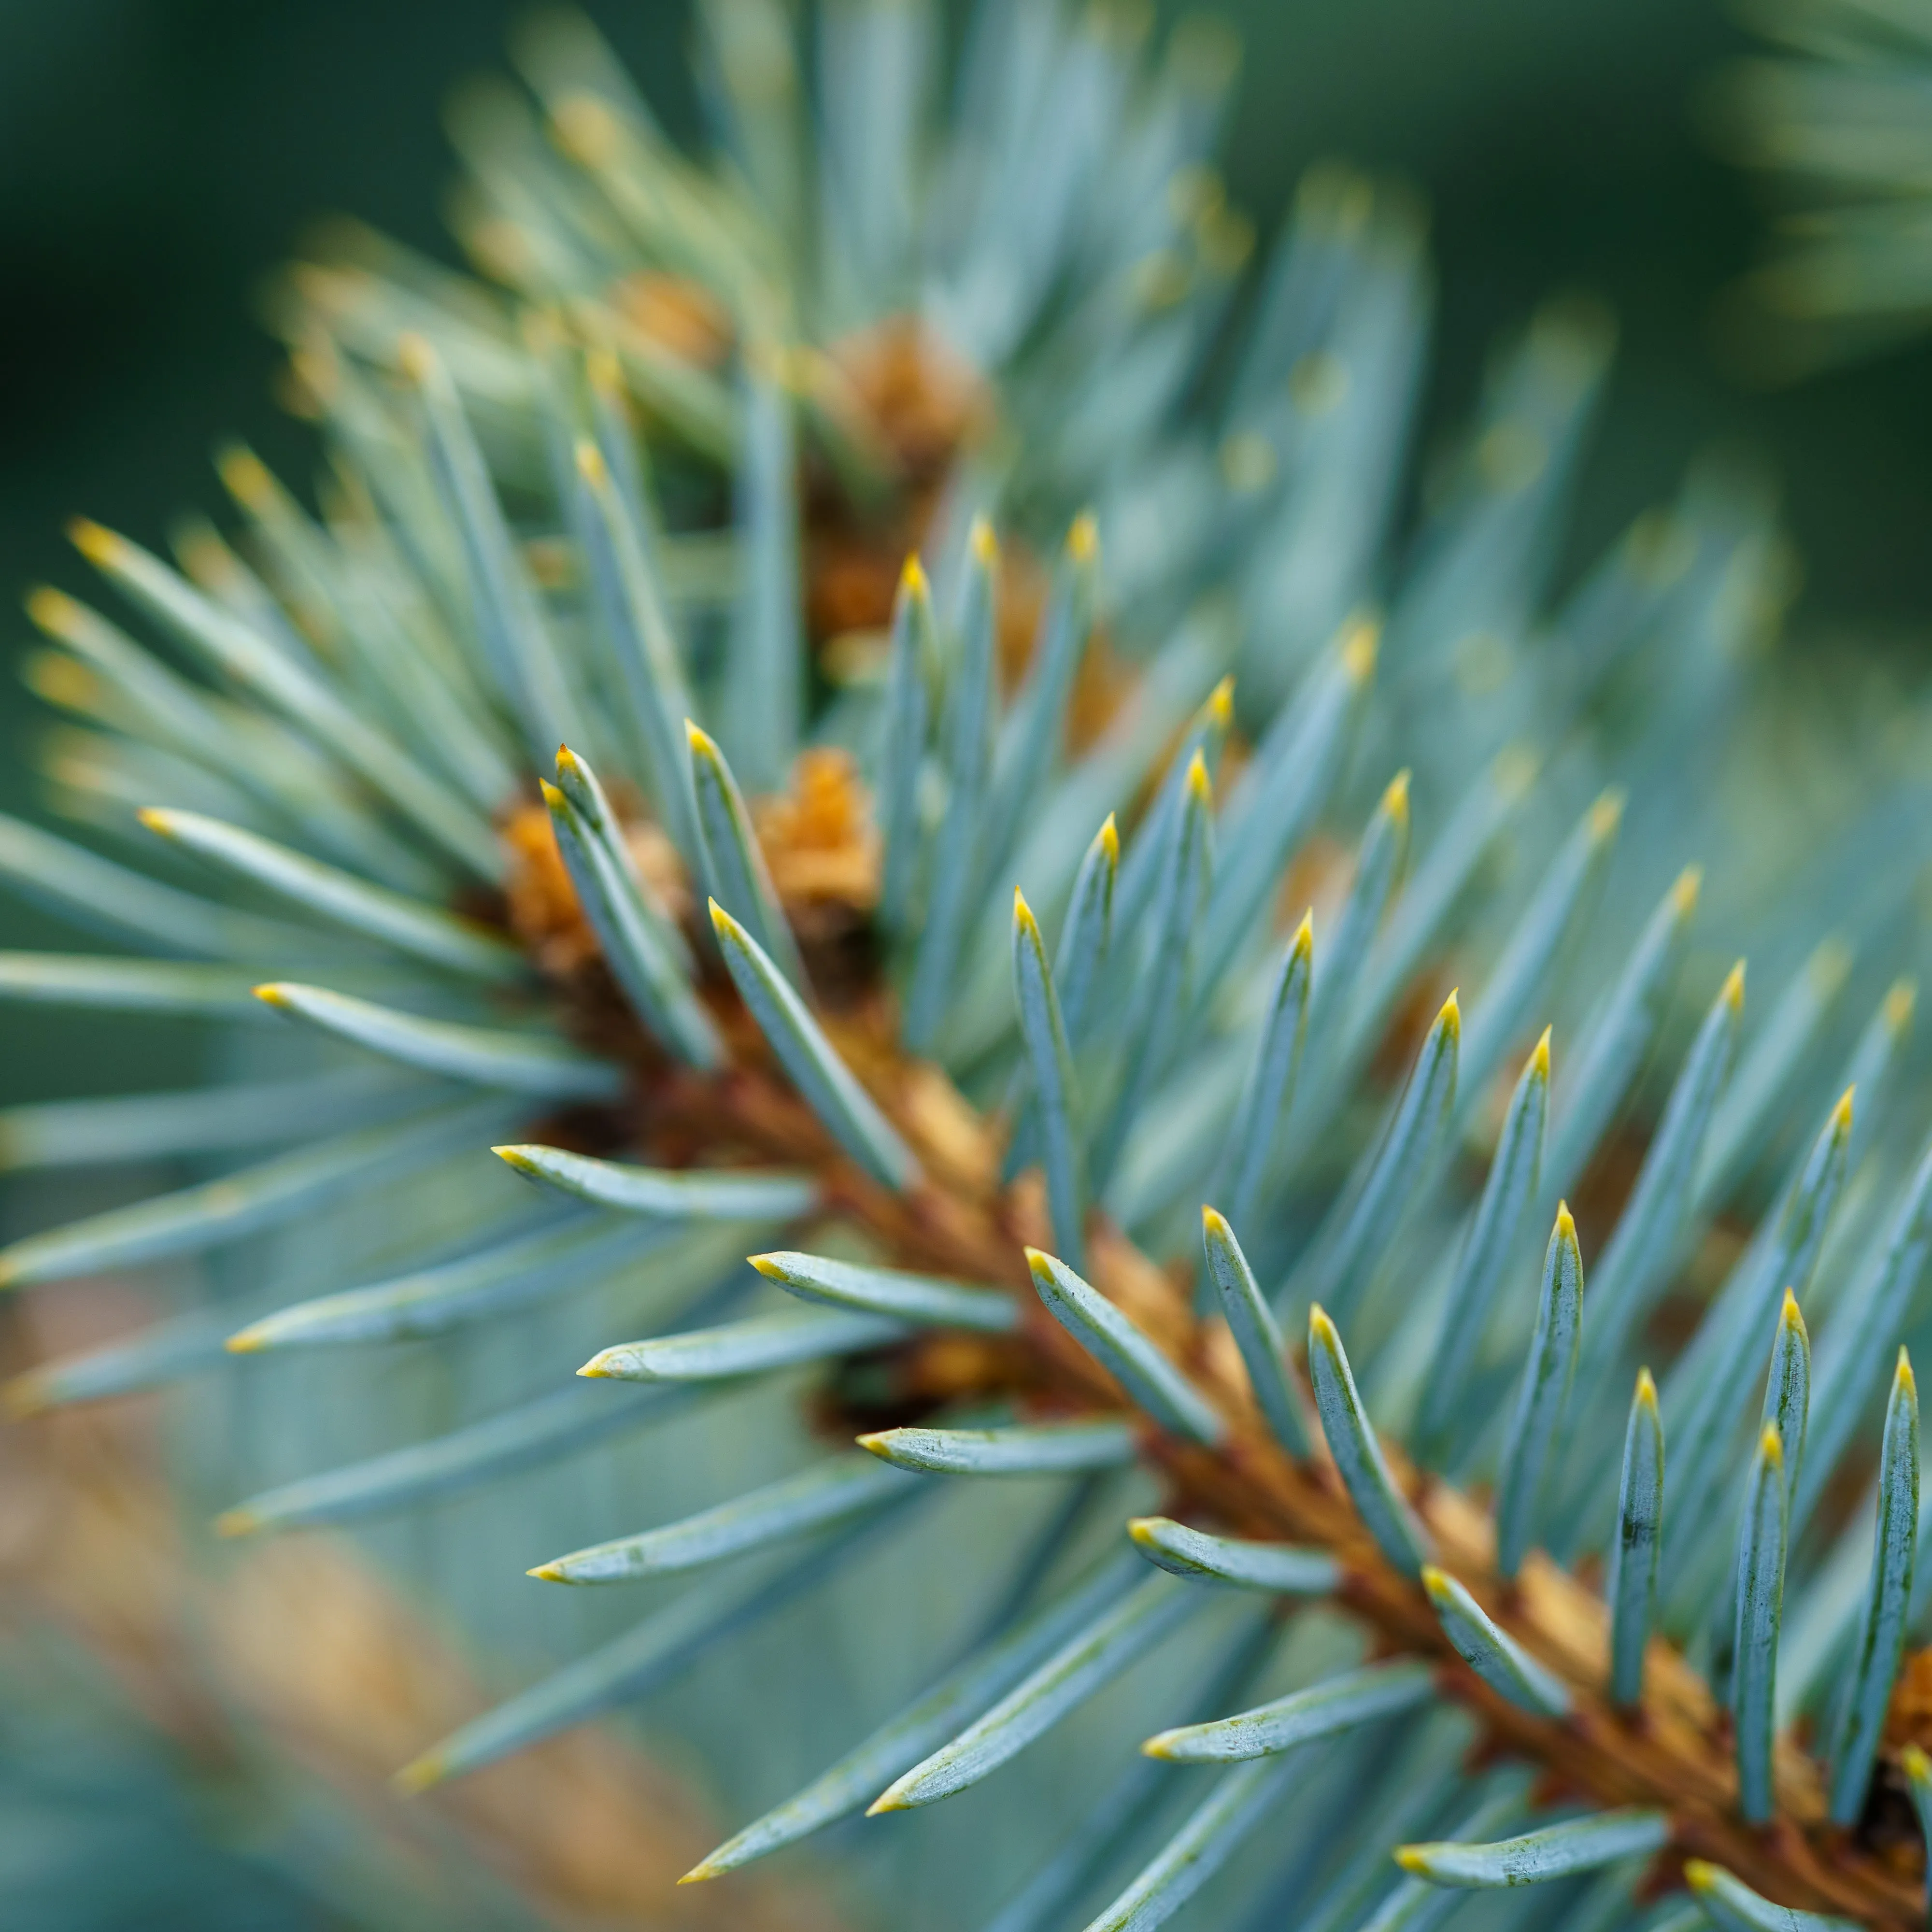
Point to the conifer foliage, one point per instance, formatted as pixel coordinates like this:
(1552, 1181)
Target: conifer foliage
(755, 839)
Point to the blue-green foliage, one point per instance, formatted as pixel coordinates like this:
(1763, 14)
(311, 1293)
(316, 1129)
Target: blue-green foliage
(520, 542)
(1832, 106)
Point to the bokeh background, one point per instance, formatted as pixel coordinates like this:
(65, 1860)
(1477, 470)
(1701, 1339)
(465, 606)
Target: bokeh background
(158, 157)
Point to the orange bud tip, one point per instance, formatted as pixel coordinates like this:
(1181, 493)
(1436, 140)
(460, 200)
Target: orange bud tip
(912, 577)
(1684, 893)
(275, 994)
(1083, 537)
(1110, 840)
(237, 1523)
(1395, 799)
(1733, 992)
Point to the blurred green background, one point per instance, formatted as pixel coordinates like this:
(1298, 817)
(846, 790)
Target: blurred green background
(158, 156)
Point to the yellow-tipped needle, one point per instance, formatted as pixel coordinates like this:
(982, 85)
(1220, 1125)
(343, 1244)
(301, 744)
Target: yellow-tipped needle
(98, 545)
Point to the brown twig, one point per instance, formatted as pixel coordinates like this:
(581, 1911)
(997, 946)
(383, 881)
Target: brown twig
(1673, 1754)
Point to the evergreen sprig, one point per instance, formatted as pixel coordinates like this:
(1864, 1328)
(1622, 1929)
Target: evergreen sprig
(718, 1014)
